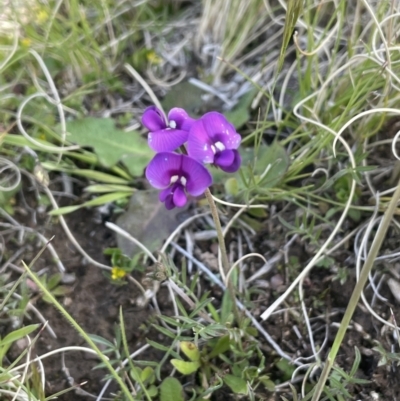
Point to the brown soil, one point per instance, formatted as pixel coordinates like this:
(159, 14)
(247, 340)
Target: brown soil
(93, 302)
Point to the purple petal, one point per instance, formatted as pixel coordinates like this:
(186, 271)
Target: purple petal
(178, 118)
(224, 158)
(198, 177)
(199, 143)
(235, 164)
(169, 202)
(179, 197)
(173, 196)
(164, 194)
(153, 119)
(162, 167)
(219, 129)
(167, 140)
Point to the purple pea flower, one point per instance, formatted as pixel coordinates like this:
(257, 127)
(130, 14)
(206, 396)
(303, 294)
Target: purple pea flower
(176, 175)
(164, 136)
(213, 139)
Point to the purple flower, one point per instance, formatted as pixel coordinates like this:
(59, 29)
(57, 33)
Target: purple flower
(164, 136)
(213, 139)
(176, 175)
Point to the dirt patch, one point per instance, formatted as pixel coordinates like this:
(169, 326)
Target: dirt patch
(93, 301)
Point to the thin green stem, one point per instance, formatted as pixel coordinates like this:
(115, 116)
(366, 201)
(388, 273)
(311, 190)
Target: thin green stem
(369, 262)
(79, 329)
(224, 255)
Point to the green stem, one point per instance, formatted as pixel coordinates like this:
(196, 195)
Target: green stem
(79, 329)
(368, 264)
(224, 255)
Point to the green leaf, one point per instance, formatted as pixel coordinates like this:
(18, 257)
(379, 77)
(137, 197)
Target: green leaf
(271, 164)
(6, 342)
(222, 345)
(53, 281)
(64, 210)
(236, 384)
(135, 373)
(226, 308)
(258, 212)
(152, 391)
(293, 11)
(147, 374)
(18, 334)
(61, 290)
(101, 200)
(102, 188)
(171, 390)
(184, 367)
(2, 136)
(94, 175)
(162, 347)
(232, 186)
(239, 115)
(190, 350)
(110, 144)
(21, 141)
(100, 340)
(267, 382)
(286, 368)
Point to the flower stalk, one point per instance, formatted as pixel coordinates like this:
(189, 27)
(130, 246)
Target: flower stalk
(224, 255)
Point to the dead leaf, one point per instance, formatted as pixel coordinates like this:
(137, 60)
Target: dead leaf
(148, 221)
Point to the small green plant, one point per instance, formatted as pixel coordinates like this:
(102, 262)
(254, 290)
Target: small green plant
(386, 358)
(122, 265)
(54, 286)
(233, 368)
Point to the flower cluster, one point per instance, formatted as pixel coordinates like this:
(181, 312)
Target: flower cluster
(211, 139)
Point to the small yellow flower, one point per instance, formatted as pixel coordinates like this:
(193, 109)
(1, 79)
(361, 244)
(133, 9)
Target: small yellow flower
(117, 273)
(153, 58)
(42, 16)
(26, 42)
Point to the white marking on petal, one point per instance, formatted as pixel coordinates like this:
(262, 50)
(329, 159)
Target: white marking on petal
(205, 147)
(220, 146)
(183, 181)
(172, 124)
(213, 148)
(174, 179)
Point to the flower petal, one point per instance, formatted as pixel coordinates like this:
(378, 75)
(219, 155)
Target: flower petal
(169, 202)
(219, 129)
(180, 119)
(199, 143)
(165, 193)
(179, 197)
(235, 164)
(198, 177)
(167, 140)
(224, 158)
(162, 167)
(153, 119)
